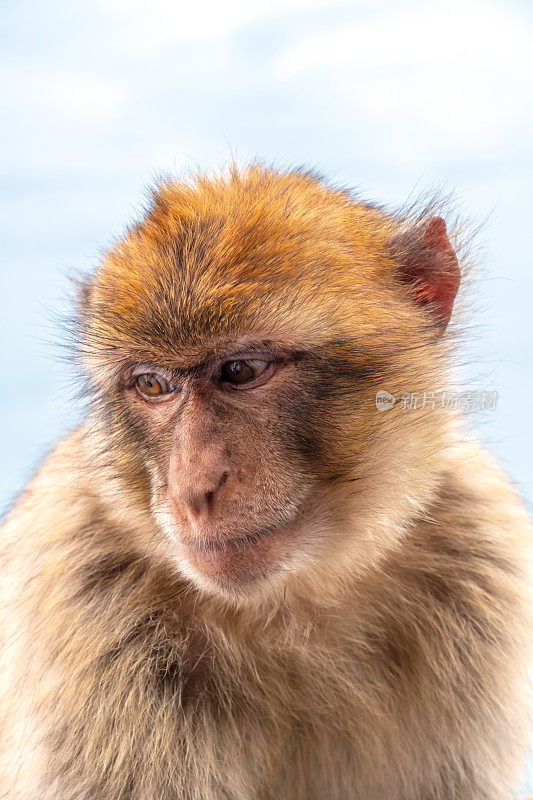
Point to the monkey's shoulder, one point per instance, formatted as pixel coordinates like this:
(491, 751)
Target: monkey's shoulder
(58, 480)
(462, 578)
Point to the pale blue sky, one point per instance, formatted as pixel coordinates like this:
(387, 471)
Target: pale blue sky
(386, 96)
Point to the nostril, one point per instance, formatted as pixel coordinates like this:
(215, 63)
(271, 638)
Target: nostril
(210, 496)
(195, 500)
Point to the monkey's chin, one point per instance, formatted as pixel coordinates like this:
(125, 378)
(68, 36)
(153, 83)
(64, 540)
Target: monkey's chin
(241, 564)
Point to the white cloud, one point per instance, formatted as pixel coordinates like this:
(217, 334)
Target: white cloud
(443, 77)
(51, 92)
(160, 22)
(85, 98)
(454, 34)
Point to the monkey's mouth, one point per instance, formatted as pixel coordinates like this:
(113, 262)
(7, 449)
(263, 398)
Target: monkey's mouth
(233, 543)
(242, 558)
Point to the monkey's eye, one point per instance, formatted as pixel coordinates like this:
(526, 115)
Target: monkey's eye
(152, 385)
(245, 372)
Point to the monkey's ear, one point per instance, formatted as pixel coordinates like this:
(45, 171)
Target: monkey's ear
(428, 263)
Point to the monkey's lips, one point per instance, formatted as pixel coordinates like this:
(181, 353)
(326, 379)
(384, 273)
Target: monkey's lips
(241, 559)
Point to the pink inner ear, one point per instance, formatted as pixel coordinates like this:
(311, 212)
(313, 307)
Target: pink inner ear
(434, 270)
(435, 235)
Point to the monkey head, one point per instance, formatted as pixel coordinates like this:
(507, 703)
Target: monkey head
(234, 341)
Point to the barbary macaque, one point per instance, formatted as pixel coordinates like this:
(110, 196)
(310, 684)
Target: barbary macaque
(241, 578)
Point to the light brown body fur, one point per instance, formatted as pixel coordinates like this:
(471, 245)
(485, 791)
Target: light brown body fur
(396, 672)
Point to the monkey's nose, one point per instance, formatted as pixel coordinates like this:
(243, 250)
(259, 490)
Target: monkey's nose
(198, 500)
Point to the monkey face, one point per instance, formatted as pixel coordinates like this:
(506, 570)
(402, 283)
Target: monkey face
(235, 341)
(230, 480)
